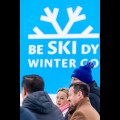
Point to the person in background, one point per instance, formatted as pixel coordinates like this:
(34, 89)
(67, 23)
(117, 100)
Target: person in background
(25, 114)
(37, 100)
(83, 74)
(81, 109)
(61, 100)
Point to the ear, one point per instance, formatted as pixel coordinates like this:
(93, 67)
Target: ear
(80, 95)
(24, 92)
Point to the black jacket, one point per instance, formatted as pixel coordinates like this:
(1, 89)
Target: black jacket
(42, 106)
(25, 114)
(95, 96)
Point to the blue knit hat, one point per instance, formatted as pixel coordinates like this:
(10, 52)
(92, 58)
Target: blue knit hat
(83, 73)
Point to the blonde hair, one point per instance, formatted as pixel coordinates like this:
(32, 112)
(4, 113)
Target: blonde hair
(65, 90)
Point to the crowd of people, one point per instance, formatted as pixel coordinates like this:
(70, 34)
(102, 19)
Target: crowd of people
(81, 101)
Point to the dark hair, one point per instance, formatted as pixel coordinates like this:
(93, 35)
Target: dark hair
(80, 86)
(33, 83)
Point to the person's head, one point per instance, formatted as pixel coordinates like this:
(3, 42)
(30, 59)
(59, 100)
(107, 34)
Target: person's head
(77, 91)
(62, 96)
(83, 74)
(32, 83)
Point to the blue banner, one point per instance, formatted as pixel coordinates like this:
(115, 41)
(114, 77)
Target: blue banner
(57, 36)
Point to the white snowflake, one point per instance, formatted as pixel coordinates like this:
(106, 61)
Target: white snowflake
(73, 17)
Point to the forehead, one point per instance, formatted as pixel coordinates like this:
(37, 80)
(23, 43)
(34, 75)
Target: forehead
(74, 78)
(61, 93)
(71, 89)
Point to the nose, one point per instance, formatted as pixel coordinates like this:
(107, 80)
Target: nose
(68, 99)
(58, 100)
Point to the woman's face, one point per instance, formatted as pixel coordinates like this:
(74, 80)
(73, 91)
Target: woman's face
(61, 99)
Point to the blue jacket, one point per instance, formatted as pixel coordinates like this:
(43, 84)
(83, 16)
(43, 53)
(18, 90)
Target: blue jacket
(42, 106)
(25, 114)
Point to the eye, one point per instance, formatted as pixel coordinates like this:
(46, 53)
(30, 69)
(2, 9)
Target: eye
(74, 78)
(62, 98)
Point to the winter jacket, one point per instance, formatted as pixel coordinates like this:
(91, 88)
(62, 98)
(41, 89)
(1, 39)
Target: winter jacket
(42, 106)
(83, 111)
(95, 96)
(25, 114)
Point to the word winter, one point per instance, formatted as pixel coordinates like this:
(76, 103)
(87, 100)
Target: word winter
(63, 63)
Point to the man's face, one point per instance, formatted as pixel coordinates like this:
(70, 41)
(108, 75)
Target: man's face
(73, 98)
(74, 80)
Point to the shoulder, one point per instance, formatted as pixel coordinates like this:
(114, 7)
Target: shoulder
(94, 97)
(78, 115)
(94, 88)
(65, 112)
(25, 114)
(85, 113)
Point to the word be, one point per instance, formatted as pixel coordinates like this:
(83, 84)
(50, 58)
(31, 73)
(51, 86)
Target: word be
(55, 47)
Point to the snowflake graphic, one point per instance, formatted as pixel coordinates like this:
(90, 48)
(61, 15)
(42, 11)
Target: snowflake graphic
(73, 17)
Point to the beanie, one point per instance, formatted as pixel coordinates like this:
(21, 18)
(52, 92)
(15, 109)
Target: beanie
(83, 73)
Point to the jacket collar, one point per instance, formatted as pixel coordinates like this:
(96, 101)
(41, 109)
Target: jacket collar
(81, 102)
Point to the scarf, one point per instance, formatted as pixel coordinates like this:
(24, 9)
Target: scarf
(64, 107)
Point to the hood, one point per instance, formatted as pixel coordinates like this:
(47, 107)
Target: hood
(39, 102)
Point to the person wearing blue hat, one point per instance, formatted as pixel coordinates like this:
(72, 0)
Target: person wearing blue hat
(84, 74)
